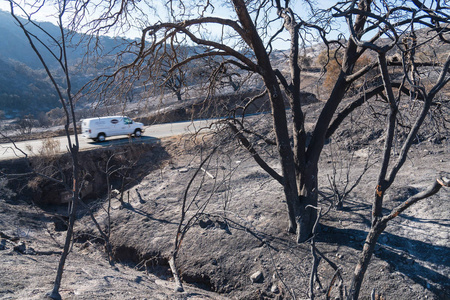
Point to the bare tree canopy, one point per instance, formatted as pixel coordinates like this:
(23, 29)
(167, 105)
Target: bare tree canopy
(236, 39)
(241, 35)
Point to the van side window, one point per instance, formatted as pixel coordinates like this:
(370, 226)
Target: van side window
(127, 121)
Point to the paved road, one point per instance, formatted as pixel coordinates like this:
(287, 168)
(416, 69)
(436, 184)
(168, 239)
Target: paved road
(151, 134)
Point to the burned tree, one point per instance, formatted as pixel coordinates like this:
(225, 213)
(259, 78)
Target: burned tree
(66, 98)
(375, 29)
(299, 161)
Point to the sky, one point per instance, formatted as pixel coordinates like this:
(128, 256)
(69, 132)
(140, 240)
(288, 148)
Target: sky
(47, 13)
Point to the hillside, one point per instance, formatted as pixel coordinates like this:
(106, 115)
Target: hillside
(355, 162)
(241, 231)
(24, 85)
(24, 90)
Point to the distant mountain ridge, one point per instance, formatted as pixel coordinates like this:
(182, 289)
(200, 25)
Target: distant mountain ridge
(14, 44)
(24, 85)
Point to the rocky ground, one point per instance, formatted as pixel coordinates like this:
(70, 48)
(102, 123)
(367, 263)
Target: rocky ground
(237, 246)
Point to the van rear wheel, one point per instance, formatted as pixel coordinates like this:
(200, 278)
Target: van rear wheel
(101, 137)
(138, 133)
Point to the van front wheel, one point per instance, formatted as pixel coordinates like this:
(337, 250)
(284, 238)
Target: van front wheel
(101, 137)
(138, 133)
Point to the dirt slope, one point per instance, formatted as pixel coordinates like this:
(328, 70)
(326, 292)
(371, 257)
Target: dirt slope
(240, 232)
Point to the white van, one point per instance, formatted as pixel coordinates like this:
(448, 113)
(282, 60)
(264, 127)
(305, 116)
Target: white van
(99, 128)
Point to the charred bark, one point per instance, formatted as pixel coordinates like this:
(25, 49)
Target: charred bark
(279, 119)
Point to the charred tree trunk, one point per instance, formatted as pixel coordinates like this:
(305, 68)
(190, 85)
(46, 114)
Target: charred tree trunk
(380, 225)
(54, 294)
(364, 258)
(286, 157)
(178, 93)
(308, 198)
(279, 119)
(299, 182)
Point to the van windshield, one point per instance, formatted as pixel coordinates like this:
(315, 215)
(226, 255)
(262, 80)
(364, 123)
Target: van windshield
(127, 121)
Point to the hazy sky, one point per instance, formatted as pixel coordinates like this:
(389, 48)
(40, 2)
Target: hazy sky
(47, 13)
